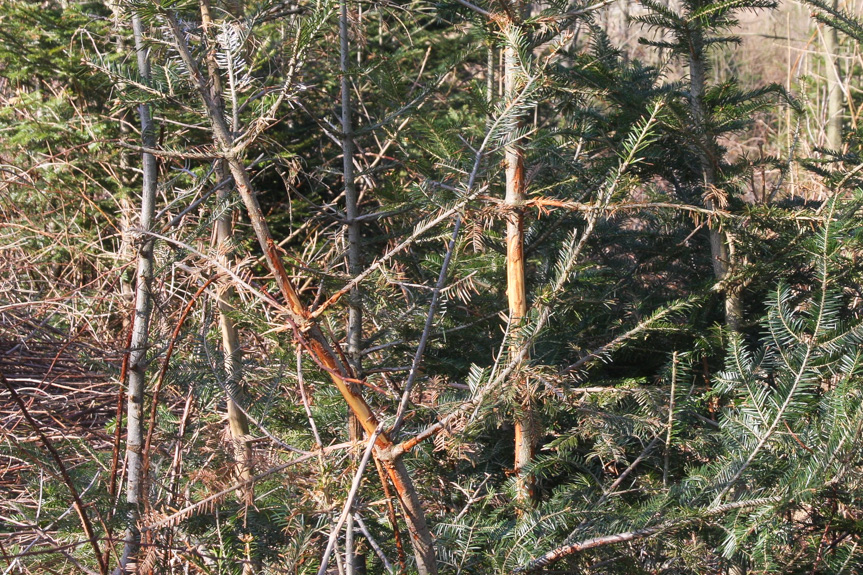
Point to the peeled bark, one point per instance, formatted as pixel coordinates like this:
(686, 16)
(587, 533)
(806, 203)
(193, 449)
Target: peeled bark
(141, 327)
(306, 328)
(320, 348)
(526, 430)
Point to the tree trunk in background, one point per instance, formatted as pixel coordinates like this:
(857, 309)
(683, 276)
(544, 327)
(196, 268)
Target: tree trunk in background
(237, 420)
(721, 244)
(143, 305)
(526, 431)
(238, 423)
(834, 86)
(355, 562)
(490, 85)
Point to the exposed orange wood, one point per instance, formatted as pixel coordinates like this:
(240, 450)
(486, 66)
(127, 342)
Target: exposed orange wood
(525, 428)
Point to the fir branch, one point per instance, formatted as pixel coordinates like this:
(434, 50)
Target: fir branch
(578, 547)
(642, 326)
(168, 153)
(214, 499)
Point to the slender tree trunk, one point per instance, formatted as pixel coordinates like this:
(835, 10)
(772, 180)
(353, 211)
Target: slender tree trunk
(307, 327)
(127, 210)
(355, 264)
(721, 244)
(526, 430)
(141, 328)
(834, 86)
(355, 562)
(237, 420)
(238, 423)
(355, 257)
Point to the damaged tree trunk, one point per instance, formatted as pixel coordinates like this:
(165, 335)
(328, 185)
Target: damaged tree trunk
(525, 423)
(306, 328)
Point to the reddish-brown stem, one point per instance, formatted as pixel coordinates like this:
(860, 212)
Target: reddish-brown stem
(118, 430)
(525, 424)
(299, 315)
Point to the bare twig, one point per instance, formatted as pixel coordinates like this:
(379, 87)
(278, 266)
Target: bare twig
(400, 414)
(349, 503)
(373, 543)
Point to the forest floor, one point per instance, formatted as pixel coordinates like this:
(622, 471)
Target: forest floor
(74, 402)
